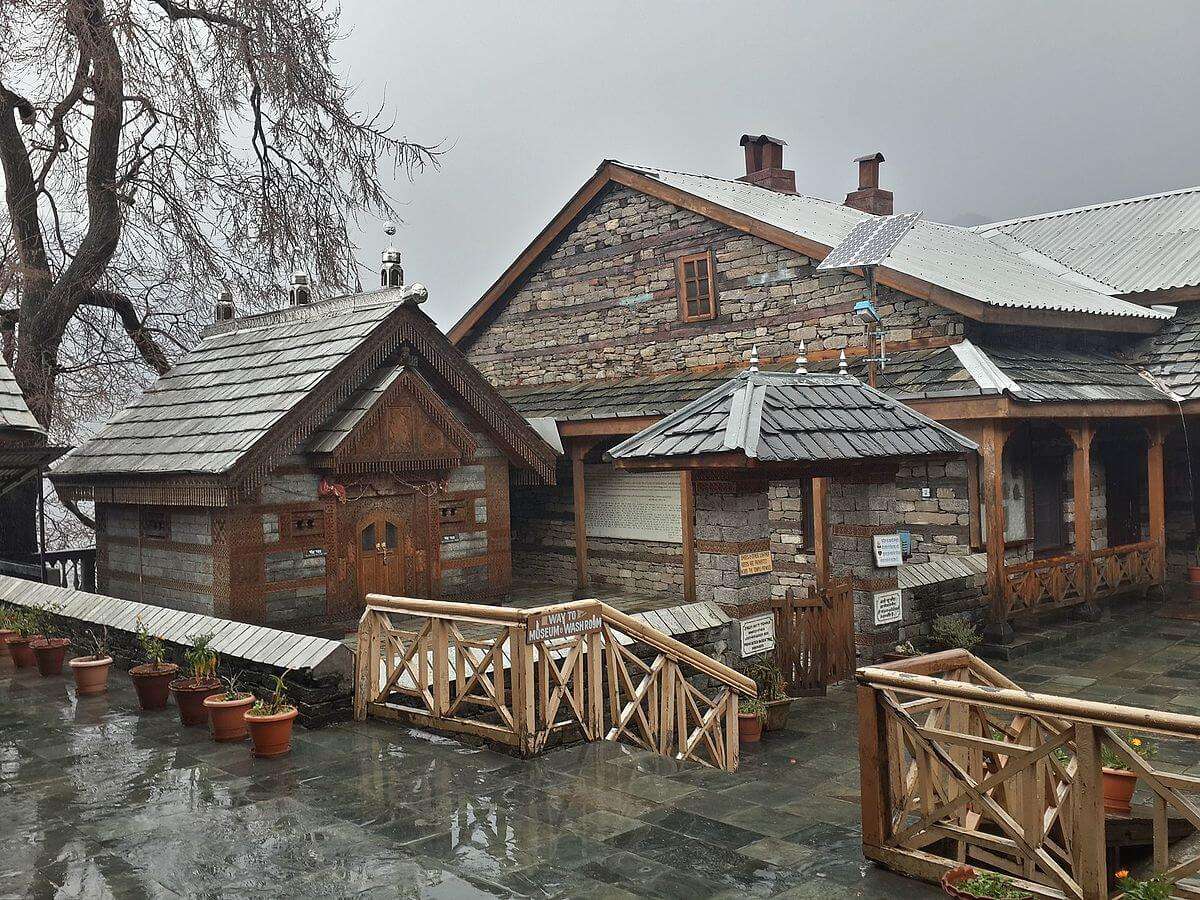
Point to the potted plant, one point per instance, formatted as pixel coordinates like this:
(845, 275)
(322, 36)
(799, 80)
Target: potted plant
(51, 648)
(1119, 781)
(751, 713)
(1194, 575)
(1157, 888)
(200, 683)
(7, 621)
(270, 721)
(954, 633)
(905, 650)
(152, 678)
(772, 689)
(91, 671)
(25, 624)
(227, 711)
(968, 883)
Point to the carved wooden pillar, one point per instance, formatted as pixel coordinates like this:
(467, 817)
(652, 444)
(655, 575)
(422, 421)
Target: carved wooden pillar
(1157, 502)
(1081, 437)
(991, 451)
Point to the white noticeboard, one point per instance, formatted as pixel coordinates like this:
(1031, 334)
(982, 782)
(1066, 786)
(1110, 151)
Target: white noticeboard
(632, 506)
(889, 607)
(756, 634)
(888, 550)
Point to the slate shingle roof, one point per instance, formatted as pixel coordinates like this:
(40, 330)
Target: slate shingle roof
(14, 413)
(785, 417)
(654, 395)
(1173, 354)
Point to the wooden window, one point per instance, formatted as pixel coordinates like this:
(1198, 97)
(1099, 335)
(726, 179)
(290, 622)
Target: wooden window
(307, 523)
(156, 524)
(696, 286)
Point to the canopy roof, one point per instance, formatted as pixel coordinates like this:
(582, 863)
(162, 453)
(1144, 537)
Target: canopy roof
(15, 416)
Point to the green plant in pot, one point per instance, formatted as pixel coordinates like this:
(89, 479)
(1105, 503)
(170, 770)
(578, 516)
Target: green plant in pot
(1194, 575)
(969, 883)
(1158, 888)
(91, 671)
(199, 683)
(227, 710)
(8, 618)
(954, 633)
(50, 649)
(752, 712)
(26, 624)
(152, 678)
(1119, 780)
(773, 691)
(270, 721)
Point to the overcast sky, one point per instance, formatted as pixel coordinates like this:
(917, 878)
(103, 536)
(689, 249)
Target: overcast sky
(984, 111)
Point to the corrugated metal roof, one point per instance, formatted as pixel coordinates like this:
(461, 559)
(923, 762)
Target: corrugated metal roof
(786, 417)
(1140, 244)
(14, 413)
(958, 259)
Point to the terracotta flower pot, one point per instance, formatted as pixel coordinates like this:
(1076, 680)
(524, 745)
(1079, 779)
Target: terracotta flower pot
(1119, 786)
(271, 735)
(152, 684)
(1194, 582)
(750, 726)
(228, 717)
(91, 674)
(190, 696)
(22, 654)
(50, 653)
(777, 714)
(5, 634)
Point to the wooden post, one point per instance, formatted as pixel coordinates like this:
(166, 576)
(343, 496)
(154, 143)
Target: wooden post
(687, 511)
(595, 685)
(1089, 848)
(364, 665)
(441, 667)
(820, 537)
(732, 749)
(581, 563)
(991, 449)
(1157, 502)
(521, 661)
(1081, 465)
(873, 772)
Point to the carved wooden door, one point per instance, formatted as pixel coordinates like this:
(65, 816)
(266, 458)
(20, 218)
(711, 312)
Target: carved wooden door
(383, 548)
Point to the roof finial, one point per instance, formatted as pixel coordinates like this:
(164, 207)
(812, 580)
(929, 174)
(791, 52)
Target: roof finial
(842, 370)
(754, 358)
(802, 361)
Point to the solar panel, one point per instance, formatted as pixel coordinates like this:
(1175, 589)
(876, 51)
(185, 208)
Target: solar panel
(870, 242)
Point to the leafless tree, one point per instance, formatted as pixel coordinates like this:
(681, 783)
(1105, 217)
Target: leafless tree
(154, 150)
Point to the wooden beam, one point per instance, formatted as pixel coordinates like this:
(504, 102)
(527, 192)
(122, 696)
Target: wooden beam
(1081, 470)
(1088, 846)
(578, 451)
(873, 769)
(820, 536)
(611, 427)
(991, 448)
(1157, 501)
(687, 511)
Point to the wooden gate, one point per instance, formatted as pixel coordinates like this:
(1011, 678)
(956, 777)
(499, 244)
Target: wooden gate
(814, 637)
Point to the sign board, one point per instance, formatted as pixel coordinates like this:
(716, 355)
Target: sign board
(889, 607)
(755, 563)
(562, 623)
(756, 634)
(632, 506)
(888, 550)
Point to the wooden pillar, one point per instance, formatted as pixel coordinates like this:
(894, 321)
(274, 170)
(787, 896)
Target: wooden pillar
(1081, 466)
(1088, 796)
(687, 511)
(873, 770)
(820, 537)
(578, 451)
(1157, 501)
(991, 450)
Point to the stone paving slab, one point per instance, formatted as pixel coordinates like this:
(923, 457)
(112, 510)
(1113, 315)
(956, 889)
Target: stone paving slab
(98, 799)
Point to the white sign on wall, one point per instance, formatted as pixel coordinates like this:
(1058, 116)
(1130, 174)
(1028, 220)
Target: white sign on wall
(756, 634)
(632, 506)
(889, 551)
(889, 607)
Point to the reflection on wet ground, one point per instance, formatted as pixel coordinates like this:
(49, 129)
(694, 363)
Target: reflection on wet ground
(98, 799)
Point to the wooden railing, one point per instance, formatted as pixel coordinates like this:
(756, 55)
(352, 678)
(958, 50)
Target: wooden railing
(1046, 584)
(814, 637)
(64, 568)
(958, 764)
(484, 671)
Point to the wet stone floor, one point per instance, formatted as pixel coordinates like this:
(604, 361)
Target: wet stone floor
(99, 800)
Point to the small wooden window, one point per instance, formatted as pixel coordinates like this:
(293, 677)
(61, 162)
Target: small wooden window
(156, 524)
(308, 523)
(697, 289)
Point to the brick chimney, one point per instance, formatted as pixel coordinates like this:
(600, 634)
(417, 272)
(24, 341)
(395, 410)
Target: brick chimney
(225, 311)
(869, 197)
(764, 164)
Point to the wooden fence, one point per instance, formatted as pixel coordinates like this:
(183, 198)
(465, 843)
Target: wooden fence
(1057, 582)
(958, 764)
(487, 672)
(814, 637)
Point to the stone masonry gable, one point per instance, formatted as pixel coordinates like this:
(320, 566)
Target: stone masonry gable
(603, 303)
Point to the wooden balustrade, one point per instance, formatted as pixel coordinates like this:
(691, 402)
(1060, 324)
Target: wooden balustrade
(1046, 584)
(621, 681)
(958, 764)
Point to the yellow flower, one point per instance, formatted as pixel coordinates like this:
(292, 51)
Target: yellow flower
(1124, 873)
(1137, 742)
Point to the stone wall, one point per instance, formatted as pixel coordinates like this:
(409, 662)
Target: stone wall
(603, 303)
(732, 517)
(792, 561)
(939, 523)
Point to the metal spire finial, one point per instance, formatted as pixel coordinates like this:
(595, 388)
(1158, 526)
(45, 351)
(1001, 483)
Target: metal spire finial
(802, 361)
(754, 358)
(842, 370)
